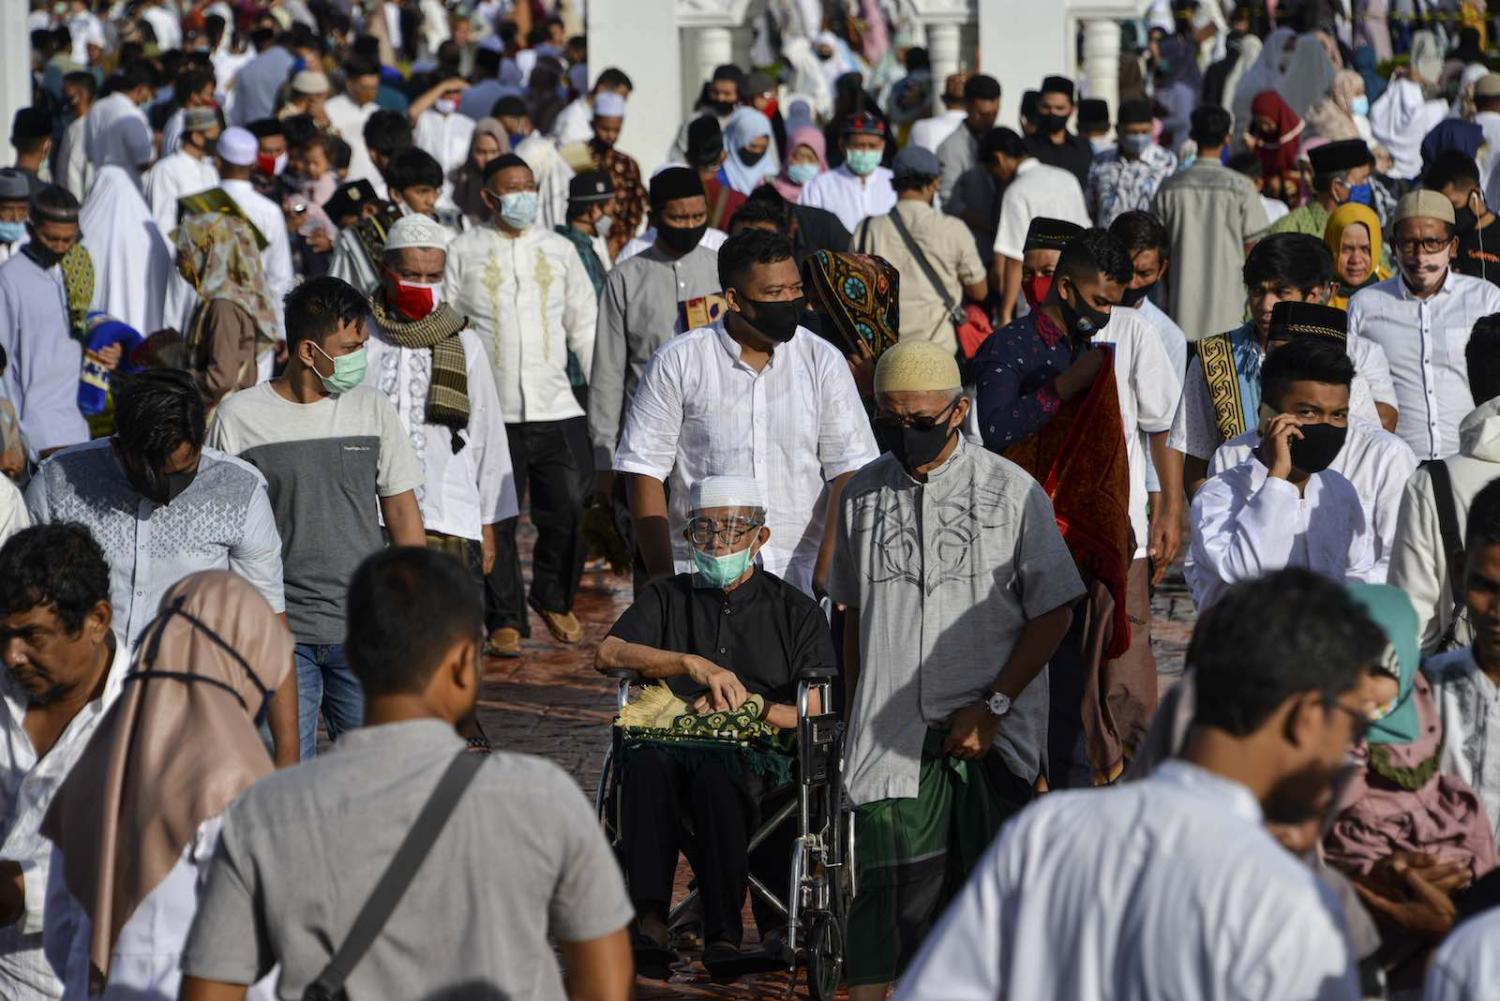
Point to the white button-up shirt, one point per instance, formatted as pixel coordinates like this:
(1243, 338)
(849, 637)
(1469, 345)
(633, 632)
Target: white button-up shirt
(1376, 462)
(474, 486)
(1246, 523)
(1182, 857)
(794, 425)
(348, 121)
(116, 132)
(849, 196)
(1467, 965)
(446, 139)
(172, 177)
(1037, 191)
(530, 302)
(27, 786)
(1424, 342)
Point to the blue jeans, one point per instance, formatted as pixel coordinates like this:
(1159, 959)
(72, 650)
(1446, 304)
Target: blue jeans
(324, 682)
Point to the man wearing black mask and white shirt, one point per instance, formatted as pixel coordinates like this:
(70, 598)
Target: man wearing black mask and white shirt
(752, 395)
(1282, 506)
(1053, 144)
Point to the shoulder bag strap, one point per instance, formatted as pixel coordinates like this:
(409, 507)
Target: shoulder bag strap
(1453, 544)
(397, 877)
(954, 313)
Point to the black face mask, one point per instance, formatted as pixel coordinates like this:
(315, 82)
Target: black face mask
(1318, 446)
(680, 240)
(914, 447)
(162, 488)
(777, 320)
(721, 108)
(43, 255)
(1083, 320)
(1051, 124)
(749, 158)
(1134, 296)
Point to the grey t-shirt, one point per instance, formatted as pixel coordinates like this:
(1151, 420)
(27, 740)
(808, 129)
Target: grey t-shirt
(521, 859)
(326, 465)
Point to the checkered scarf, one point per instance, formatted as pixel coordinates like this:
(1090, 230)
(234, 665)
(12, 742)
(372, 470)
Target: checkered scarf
(448, 396)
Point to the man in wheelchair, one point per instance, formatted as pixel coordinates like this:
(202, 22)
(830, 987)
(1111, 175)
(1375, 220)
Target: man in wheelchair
(719, 638)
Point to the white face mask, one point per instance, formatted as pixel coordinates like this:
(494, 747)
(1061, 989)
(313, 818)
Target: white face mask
(445, 106)
(604, 225)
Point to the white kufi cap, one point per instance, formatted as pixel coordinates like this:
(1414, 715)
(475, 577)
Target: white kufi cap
(416, 230)
(238, 146)
(608, 104)
(726, 491)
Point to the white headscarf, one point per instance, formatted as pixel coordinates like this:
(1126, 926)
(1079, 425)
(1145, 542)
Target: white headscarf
(132, 262)
(1400, 118)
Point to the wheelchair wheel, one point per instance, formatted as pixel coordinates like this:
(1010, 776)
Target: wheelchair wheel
(825, 956)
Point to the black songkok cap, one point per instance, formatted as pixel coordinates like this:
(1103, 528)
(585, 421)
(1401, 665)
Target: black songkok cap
(1093, 113)
(1135, 111)
(673, 183)
(1301, 319)
(1058, 85)
(1049, 234)
(1346, 154)
(350, 198)
(705, 141)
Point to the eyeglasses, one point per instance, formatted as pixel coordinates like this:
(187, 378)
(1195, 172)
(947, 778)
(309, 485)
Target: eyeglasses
(1427, 244)
(1359, 722)
(919, 423)
(701, 532)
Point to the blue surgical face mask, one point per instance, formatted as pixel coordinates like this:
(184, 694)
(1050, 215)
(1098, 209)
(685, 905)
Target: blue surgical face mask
(10, 232)
(518, 209)
(721, 571)
(863, 161)
(1135, 143)
(1360, 194)
(801, 173)
(1360, 106)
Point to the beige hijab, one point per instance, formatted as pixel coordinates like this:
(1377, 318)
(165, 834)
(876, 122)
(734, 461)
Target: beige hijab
(173, 751)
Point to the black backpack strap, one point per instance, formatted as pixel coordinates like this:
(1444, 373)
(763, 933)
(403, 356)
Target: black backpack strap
(1453, 540)
(955, 314)
(397, 877)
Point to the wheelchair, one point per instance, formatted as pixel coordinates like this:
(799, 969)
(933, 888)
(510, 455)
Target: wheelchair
(822, 884)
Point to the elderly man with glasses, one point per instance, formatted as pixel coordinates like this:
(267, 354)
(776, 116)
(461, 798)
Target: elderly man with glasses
(731, 638)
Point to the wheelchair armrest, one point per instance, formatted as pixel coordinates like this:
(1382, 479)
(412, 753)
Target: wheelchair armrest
(818, 674)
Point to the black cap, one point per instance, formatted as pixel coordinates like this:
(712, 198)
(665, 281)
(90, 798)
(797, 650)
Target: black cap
(263, 127)
(1058, 85)
(591, 186)
(1346, 154)
(1136, 111)
(31, 123)
(672, 183)
(1029, 102)
(1049, 234)
(350, 198)
(705, 141)
(1302, 319)
(1093, 113)
(511, 106)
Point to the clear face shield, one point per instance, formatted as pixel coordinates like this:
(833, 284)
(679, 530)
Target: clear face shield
(725, 541)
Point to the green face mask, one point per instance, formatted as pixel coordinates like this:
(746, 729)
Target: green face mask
(348, 370)
(863, 161)
(720, 571)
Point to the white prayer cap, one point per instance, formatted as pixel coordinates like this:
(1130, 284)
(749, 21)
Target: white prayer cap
(726, 491)
(916, 366)
(94, 35)
(238, 146)
(608, 104)
(310, 82)
(416, 230)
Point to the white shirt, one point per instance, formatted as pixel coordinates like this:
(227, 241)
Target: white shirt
(575, 123)
(348, 121)
(1165, 888)
(849, 196)
(173, 177)
(1374, 461)
(269, 219)
(1468, 705)
(1148, 390)
(929, 133)
(463, 490)
(1424, 342)
(116, 132)
(713, 239)
(1467, 965)
(795, 425)
(13, 515)
(74, 166)
(1246, 523)
(1037, 191)
(446, 139)
(1175, 342)
(27, 786)
(530, 302)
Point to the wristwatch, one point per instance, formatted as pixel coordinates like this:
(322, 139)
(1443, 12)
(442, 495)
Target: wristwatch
(998, 703)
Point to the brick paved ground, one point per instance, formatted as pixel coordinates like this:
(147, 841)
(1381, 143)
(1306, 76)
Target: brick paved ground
(550, 702)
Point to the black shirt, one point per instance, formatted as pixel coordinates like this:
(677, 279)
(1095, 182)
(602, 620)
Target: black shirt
(1074, 155)
(1479, 253)
(766, 631)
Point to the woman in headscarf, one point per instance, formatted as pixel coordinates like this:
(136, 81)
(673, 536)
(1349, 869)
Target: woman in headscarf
(1223, 77)
(132, 261)
(490, 141)
(1263, 75)
(1308, 75)
(805, 161)
(856, 298)
(137, 820)
(1352, 236)
(546, 95)
(1402, 117)
(750, 156)
(1275, 134)
(234, 323)
(1344, 112)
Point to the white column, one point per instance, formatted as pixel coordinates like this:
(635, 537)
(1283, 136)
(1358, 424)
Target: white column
(641, 38)
(1101, 61)
(15, 62)
(942, 50)
(710, 48)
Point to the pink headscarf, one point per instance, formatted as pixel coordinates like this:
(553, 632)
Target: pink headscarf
(804, 135)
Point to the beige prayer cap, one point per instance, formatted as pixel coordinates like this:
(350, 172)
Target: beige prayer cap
(1488, 86)
(1424, 205)
(917, 366)
(310, 82)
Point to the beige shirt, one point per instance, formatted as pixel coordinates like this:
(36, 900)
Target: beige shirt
(949, 247)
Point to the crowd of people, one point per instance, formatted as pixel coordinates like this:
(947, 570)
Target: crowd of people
(305, 309)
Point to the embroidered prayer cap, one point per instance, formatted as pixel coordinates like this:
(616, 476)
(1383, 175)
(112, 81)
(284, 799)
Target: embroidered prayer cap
(416, 230)
(726, 491)
(199, 119)
(238, 146)
(1049, 234)
(30, 123)
(591, 186)
(310, 83)
(1058, 85)
(916, 366)
(916, 162)
(1424, 204)
(608, 104)
(673, 183)
(1136, 111)
(1301, 319)
(1345, 154)
(1488, 86)
(1093, 113)
(350, 198)
(864, 124)
(14, 187)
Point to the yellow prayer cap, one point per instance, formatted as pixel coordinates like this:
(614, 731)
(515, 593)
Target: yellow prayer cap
(1424, 204)
(916, 366)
